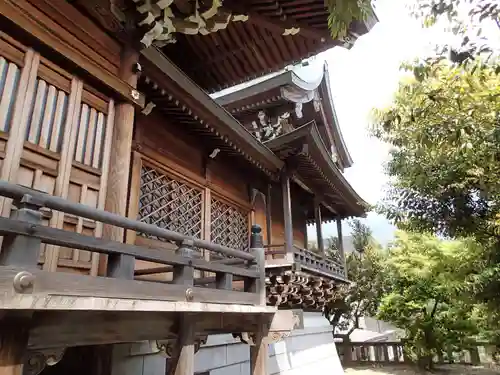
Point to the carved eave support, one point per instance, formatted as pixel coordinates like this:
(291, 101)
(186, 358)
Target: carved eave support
(285, 322)
(166, 347)
(36, 361)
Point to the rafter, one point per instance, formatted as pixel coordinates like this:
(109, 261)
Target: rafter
(274, 25)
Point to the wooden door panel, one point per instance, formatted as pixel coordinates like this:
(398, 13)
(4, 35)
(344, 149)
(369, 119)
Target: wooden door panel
(55, 136)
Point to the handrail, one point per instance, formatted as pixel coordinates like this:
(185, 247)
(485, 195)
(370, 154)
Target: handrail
(16, 192)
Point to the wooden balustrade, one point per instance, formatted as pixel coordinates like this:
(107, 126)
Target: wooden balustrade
(308, 259)
(24, 234)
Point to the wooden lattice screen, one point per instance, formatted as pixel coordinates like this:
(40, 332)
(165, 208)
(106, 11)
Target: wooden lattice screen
(228, 225)
(169, 203)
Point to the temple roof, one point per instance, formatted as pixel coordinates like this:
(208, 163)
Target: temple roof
(170, 91)
(299, 85)
(307, 157)
(220, 44)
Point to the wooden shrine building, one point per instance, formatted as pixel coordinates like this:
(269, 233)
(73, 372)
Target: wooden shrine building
(129, 196)
(294, 116)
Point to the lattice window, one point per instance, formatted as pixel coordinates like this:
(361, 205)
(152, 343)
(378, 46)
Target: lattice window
(228, 225)
(169, 203)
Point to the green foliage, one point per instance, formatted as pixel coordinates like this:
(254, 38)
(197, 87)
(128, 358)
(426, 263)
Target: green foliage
(444, 129)
(465, 18)
(431, 283)
(342, 13)
(361, 296)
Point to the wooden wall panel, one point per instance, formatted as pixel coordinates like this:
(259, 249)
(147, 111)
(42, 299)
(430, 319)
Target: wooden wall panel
(176, 154)
(54, 137)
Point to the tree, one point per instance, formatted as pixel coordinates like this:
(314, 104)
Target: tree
(430, 296)
(469, 27)
(444, 129)
(360, 297)
(343, 13)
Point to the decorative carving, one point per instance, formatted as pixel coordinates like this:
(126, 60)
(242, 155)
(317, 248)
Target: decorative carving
(37, 360)
(298, 109)
(277, 336)
(169, 203)
(291, 31)
(228, 225)
(166, 347)
(268, 128)
(163, 18)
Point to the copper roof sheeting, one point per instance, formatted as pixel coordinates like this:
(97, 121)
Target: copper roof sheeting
(306, 154)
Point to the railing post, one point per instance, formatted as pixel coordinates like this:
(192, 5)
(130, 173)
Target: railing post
(182, 362)
(18, 250)
(257, 249)
(347, 348)
(258, 352)
(475, 359)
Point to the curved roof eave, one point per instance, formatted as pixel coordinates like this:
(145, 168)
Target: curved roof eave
(332, 114)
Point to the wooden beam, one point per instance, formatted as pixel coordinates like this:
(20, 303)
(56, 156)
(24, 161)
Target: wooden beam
(54, 329)
(65, 291)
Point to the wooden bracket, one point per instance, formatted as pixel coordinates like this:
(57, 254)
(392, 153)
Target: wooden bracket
(37, 360)
(281, 326)
(166, 347)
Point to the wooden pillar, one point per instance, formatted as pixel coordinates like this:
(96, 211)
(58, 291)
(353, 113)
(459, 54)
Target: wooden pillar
(319, 230)
(341, 244)
(269, 214)
(287, 212)
(119, 164)
(306, 237)
(14, 335)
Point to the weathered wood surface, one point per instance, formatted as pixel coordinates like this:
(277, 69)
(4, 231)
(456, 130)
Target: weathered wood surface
(65, 43)
(52, 329)
(14, 333)
(79, 241)
(57, 291)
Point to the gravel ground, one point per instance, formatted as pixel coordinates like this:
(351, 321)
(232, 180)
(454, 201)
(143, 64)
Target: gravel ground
(403, 370)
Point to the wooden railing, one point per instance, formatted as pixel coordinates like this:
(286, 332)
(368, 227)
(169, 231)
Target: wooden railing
(24, 235)
(393, 352)
(309, 260)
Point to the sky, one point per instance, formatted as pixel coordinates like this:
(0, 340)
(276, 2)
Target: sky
(366, 77)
